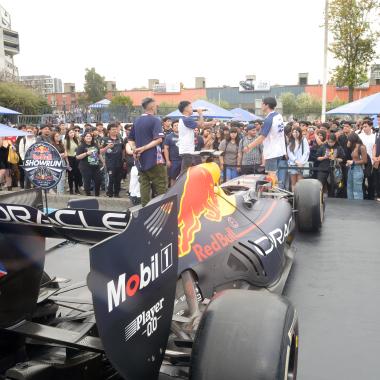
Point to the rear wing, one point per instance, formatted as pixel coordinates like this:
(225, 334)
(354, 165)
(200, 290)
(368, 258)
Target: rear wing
(18, 215)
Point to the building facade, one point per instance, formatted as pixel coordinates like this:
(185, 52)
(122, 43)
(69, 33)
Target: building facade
(9, 47)
(232, 95)
(44, 84)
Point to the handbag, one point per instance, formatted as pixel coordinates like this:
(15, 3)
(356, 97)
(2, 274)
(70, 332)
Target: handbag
(13, 157)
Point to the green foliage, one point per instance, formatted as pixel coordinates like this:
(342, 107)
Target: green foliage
(289, 103)
(354, 41)
(121, 100)
(83, 101)
(300, 106)
(95, 86)
(22, 99)
(335, 103)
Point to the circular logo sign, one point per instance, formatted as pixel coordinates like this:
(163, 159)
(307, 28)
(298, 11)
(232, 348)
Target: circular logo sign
(44, 165)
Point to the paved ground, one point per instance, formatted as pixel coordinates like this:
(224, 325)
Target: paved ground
(334, 285)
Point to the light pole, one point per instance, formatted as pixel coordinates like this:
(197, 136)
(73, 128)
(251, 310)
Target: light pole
(324, 88)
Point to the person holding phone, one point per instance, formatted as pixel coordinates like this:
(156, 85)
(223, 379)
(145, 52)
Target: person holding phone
(112, 148)
(89, 163)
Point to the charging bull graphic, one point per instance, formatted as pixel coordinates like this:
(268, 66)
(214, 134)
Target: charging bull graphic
(198, 199)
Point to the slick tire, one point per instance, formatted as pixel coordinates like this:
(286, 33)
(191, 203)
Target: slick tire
(309, 203)
(246, 335)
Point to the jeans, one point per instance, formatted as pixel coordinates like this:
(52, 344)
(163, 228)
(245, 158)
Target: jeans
(187, 161)
(61, 184)
(91, 173)
(283, 175)
(231, 173)
(354, 182)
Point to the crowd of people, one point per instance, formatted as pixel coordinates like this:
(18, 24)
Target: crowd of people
(343, 156)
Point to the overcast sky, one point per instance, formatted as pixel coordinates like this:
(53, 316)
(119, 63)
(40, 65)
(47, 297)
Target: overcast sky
(174, 41)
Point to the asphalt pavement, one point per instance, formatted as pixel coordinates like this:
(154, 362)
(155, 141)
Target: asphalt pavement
(335, 287)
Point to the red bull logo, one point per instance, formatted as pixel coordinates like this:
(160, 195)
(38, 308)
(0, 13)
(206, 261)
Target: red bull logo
(198, 199)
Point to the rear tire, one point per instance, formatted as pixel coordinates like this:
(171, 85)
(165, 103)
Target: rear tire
(246, 335)
(309, 203)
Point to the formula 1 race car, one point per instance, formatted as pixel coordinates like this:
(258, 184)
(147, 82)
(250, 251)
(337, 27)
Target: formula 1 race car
(186, 287)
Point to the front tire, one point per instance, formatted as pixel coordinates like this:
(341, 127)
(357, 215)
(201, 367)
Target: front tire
(246, 335)
(309, 203)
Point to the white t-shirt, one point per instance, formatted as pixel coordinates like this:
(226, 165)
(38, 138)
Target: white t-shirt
(369, 142)
(186, 144)
(273, 130)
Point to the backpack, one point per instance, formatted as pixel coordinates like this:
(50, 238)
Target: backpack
(13, 157)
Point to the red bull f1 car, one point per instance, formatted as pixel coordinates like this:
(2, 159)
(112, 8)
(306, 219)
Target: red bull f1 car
(187, 287)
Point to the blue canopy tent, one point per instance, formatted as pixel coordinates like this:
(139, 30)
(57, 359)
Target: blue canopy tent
(370, 105)
(243, 115)
(213, 111)
(7, 111)
(6, 131)
(104, 103)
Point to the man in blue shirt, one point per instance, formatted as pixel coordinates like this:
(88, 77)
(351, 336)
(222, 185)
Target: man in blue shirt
(145, 138)
(171, 153)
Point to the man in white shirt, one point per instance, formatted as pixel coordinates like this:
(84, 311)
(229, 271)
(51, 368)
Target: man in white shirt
(186, 137)
(368, 138)
(272, 137)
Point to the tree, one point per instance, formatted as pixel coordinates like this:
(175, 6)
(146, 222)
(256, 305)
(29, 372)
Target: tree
(121, 100)
(335, 103)
(95, 85)
(83, 102)
(354, 40)
(307, 104)
(289, 106)
(22, 99)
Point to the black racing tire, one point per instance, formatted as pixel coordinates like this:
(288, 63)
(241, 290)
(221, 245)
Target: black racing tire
(310, 206)
(246, 335)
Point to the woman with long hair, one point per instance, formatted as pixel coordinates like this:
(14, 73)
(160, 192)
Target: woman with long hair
(218, 139)
(56, 141)
(355, 173)
(71, 144)
(298, 154)
(89, 158)
(230, 148)
(5, 166)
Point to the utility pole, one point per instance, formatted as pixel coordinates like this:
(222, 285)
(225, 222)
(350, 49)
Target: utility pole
(324, 88)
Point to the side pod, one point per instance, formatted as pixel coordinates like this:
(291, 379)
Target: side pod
(133, 279)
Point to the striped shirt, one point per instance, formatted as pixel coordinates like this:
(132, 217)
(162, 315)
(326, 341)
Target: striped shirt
(254, 156)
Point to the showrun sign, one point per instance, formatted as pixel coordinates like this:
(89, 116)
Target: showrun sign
(44, 165)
